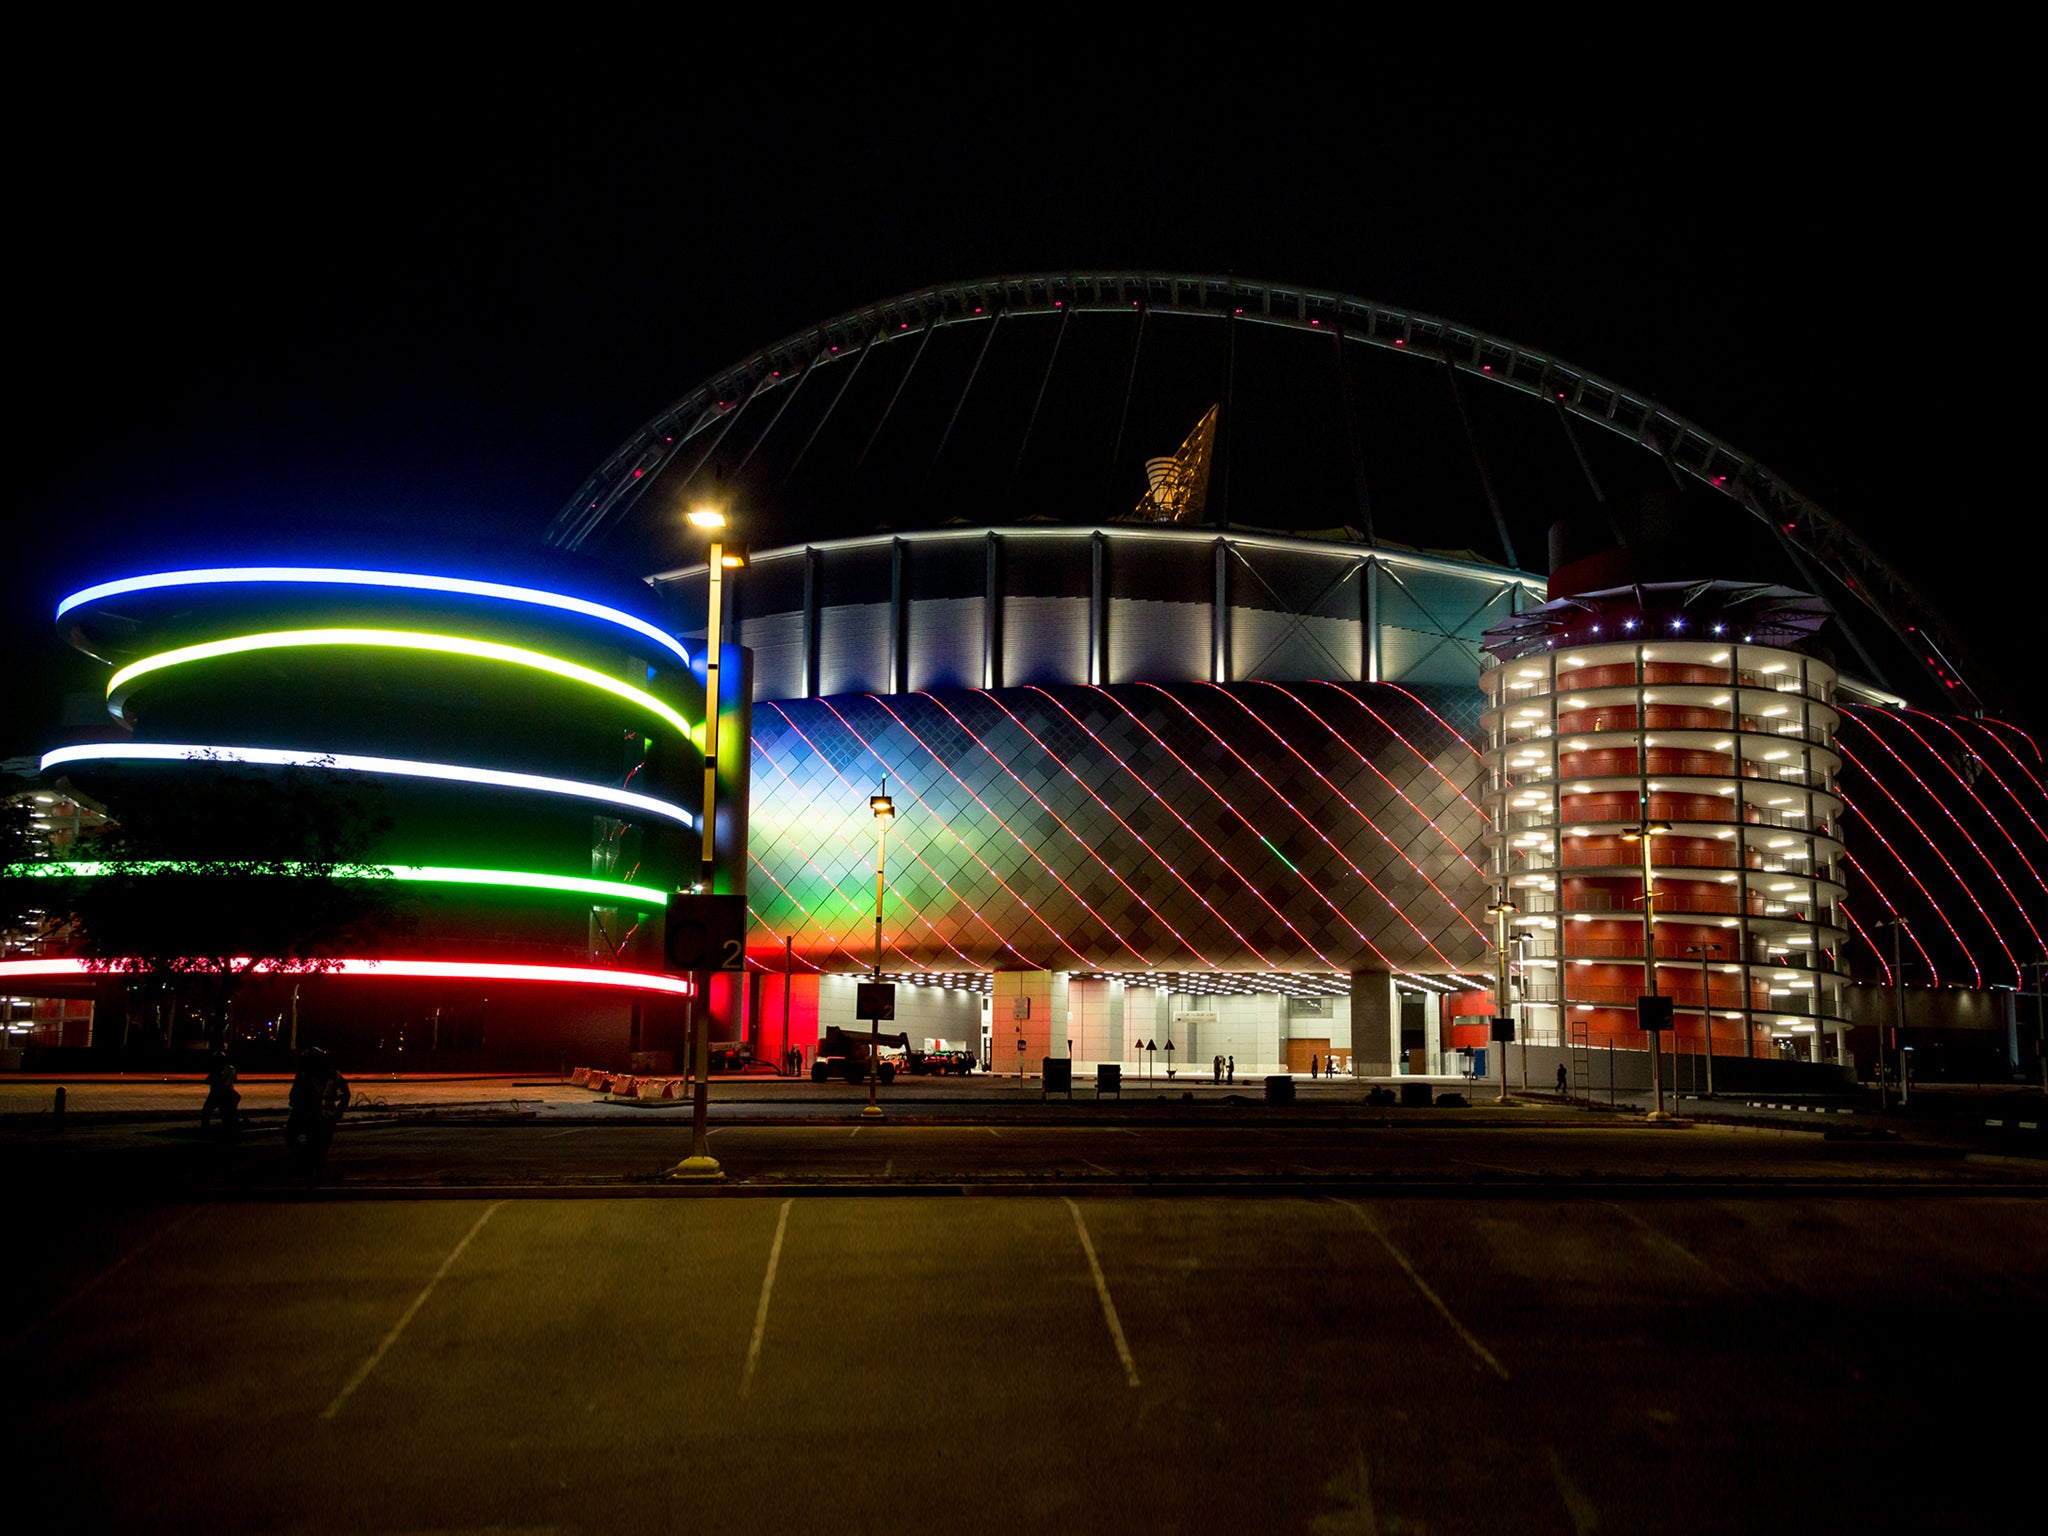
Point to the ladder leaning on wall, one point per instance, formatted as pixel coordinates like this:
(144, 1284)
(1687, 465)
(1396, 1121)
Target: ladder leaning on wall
(1581, 1053)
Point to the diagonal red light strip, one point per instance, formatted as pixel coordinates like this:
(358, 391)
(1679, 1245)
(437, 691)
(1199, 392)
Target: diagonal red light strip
(1420, 756)
(1990, 768)
(1167, 804)
(1057, 937)
(1885, 790)
(1964, 785)
(1932, 971)
(1439, 719)
(1039, 859)
(1342, 916)
(838, 887)
(944, 884)
(1392, 905)
(1843, 908)
(2018, 761)
(1355, 810)
(1065, 767)
(2006, 725)
(1084, 844)
(762, 924)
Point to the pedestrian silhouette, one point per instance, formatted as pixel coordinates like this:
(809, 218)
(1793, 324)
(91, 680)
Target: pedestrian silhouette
(1217, 1066)
(221, 1095)
(1314, 1066)
(319, 1096)
(1230, 1070)
(1560, 1077)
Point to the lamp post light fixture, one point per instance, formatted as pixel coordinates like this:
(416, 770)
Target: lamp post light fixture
(720, 558)
(1501, 910)
(884, 810)
(1706, 1007)
(1641, 834)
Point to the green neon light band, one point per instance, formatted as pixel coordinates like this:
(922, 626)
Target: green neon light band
(394, 639)
(429, 874)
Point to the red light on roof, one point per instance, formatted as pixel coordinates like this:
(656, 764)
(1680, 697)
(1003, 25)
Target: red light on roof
(1560, 394)
(1399, 342)
(1315, 322)
(1486, 367)
(638, 473)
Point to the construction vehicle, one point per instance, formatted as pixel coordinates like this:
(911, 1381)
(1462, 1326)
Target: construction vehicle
(845, 1055)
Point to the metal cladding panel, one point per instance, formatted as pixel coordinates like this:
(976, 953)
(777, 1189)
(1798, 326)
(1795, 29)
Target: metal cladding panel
(1287, 647)
(1157, 639)
(945, 641)
(1423, 656)
(853, 647)
(777, 641)
(1045, 640)
(1312, 826)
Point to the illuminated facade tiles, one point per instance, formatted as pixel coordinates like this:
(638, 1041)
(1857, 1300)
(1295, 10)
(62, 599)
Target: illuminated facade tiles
(1729, 743)
(1113, 830)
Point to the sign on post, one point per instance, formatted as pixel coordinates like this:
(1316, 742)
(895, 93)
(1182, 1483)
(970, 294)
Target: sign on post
(1653, 1014)
(875, 1000)
(1503, 1029)
(706, 933)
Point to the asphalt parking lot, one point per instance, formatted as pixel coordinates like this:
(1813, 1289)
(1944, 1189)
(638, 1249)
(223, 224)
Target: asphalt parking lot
(1088, 1363)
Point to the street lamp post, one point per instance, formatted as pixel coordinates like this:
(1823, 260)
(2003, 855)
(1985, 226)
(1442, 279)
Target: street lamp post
(1501, 910)
(1642, 834)
(700, 1164)
(885, 812)
(1522, 1019)
(1706, 1007)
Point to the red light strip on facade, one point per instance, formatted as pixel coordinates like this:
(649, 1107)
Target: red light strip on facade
(1991, 768)
(1137, 953)
(2018, 761)
(2033, 746)
(1964, 785)
(1392, 905)
(968, 847)
(390, 969)
(1885, 790)
(1933, 971)
(811, 919)
(860, 792)
(1207, 905)
(1843, 908)
(1084, 844)
(837, 886)
(1449, 728)
(1311, 767)
(1165, 803)
(1217, 795)
(1420, 756)
(762, 924)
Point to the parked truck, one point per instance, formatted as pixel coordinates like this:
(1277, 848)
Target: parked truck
(844, 1054)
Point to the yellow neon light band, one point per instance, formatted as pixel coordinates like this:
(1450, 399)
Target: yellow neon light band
(394, 639)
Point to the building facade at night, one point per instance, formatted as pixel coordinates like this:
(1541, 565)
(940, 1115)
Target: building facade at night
(1233, 745)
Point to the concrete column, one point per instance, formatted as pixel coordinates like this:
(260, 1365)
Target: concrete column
(1433, 1032)
(1375, 1024)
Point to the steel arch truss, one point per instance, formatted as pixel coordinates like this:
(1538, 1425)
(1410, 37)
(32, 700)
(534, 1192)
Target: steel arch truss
(679, 432)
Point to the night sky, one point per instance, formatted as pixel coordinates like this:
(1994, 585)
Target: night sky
(264, 305)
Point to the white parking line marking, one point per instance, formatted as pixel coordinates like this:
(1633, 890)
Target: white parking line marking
(1400, 1258)
(1584, 1517)
(363, 1371)
(761, 1312)
(1116, 1329)
(103, 1276)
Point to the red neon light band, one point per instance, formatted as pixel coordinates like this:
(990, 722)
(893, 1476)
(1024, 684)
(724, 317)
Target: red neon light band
(400, 969)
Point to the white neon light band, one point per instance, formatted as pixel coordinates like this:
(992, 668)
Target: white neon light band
(616, 891)
(266, 757)
(412, 970)
(326, 576)
(401, 640)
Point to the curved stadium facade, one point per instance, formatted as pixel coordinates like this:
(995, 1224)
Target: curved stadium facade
(1238, 745)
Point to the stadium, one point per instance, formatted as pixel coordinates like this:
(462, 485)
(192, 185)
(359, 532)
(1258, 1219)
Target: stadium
(1233, 653)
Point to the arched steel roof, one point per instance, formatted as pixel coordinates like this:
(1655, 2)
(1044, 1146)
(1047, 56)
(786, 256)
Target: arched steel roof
(700, 419)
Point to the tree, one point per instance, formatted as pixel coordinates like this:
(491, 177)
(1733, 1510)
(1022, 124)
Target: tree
(200, 883)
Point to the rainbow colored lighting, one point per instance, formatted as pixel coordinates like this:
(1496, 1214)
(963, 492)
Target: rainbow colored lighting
(410, 970)
(267, 757)
(328, 576)
(610, 891)
(393, 639)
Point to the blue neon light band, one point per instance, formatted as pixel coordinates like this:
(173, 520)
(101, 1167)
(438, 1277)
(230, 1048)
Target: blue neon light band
(310, 575)
(454, 773)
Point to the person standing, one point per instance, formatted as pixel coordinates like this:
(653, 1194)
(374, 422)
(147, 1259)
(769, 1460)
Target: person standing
(221, 1095)
(319, 1097)
(1561, 1079)
(1216, 1068)
(1315, 1063)
(1230, 1070)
